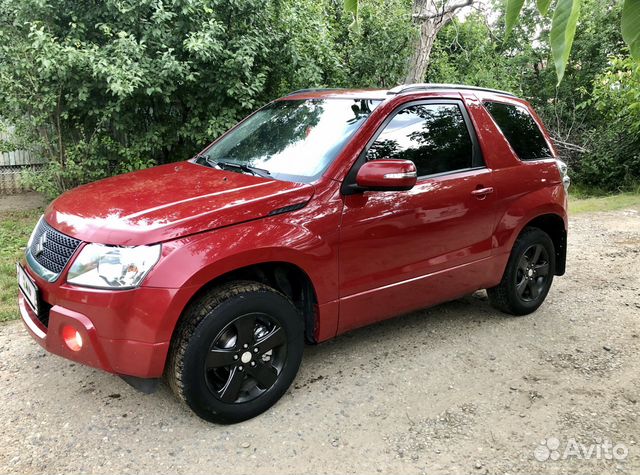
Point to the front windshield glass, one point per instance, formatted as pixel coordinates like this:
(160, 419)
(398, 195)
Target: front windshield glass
(293, 140)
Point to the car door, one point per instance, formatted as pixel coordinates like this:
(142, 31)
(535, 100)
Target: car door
(408, 249)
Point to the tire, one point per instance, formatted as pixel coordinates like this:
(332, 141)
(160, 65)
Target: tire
(236, 352)
(528, 275)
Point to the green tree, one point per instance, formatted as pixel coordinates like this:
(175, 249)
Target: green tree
(466, 52)
(613, 160)
(377, 51)
(120, 85)
(432, 15)
(565, 16)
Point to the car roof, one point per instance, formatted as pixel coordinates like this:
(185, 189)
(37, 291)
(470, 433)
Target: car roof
(382, 94)
(337, 93)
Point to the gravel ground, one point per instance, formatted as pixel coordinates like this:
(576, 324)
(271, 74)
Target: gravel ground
(456, 388)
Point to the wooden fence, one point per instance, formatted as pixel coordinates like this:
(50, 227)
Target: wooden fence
(12, 165)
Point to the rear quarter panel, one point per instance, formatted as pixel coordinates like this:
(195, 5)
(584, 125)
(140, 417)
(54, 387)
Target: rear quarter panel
(524, 189)
(534, 189)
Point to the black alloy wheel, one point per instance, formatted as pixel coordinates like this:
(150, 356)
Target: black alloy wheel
(528, 276)
(533, 273)
(236, 351)
(246, 358)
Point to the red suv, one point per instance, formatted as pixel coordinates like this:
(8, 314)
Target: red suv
(324, 211)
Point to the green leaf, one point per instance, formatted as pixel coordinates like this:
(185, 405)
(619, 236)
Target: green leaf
(351, 6)
(631, 26)
(563, 30)
(543, 6)
(512, 12)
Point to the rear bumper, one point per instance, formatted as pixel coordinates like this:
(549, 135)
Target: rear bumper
(120, 356)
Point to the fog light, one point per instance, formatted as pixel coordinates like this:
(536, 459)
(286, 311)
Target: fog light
(72, 338)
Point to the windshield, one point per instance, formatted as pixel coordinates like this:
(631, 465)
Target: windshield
(293, 140)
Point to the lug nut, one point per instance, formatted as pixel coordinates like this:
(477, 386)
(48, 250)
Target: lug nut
(255, 350)
(235, 357)
(245, 346)
(240, 368)
(253, 363)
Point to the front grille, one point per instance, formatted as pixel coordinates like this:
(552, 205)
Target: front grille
(54, 250)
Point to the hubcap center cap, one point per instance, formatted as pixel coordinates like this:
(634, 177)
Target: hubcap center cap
(530, 272)
(246, 357)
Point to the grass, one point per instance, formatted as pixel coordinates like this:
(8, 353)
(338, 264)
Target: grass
(603, 203)
(15, 229)
(16, 226)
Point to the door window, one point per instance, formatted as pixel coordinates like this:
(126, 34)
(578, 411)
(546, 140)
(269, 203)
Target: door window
(434, 137)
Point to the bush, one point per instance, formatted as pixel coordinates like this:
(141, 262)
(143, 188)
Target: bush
(613, 161)
(120, 85)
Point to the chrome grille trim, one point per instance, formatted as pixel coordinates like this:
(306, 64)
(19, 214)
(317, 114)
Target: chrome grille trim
(50, 251)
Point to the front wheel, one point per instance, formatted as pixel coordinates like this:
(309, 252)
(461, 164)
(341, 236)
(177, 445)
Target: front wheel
(236, 352)
(528, 276)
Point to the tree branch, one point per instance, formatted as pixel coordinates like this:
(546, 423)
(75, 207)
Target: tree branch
(447, 11)
(455, 6)
(569, 146)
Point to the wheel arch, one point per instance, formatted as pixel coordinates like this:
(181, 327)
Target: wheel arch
(554, 226)
(286, 277)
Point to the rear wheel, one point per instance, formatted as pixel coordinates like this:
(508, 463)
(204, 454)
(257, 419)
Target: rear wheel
(236, 352)
(528, 276)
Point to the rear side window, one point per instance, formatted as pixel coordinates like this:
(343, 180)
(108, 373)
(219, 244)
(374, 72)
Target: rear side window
(433, 136)
(520, 129)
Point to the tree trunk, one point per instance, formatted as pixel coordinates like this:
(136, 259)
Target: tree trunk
(431, 16)
(422, 52)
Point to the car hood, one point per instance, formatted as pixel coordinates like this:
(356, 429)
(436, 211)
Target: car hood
(167, 202)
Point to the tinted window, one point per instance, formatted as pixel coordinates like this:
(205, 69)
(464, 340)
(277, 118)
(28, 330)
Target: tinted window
(293, 140)
(520, 129)
(433, 136)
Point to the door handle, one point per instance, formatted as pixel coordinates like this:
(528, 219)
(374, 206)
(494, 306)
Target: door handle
(481, 193)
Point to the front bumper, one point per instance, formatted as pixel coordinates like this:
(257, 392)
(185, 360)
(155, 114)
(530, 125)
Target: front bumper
(123, 332)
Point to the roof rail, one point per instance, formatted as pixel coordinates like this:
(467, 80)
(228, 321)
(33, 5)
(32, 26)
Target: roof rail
(427, 86)
(316, 89)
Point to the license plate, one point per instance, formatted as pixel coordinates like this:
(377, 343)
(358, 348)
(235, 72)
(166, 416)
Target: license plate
(28, 288)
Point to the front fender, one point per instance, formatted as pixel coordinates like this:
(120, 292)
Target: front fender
(190, 263)
(306, 238)
(197, 260)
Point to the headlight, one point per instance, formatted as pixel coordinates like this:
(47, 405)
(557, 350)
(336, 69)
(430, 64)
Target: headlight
(33, 233)
(112, 267)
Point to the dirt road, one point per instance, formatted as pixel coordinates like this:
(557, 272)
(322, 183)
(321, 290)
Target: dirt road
(456, 388)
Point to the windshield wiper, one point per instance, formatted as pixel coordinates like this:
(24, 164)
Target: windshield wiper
(261, 172)
(222, 164)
